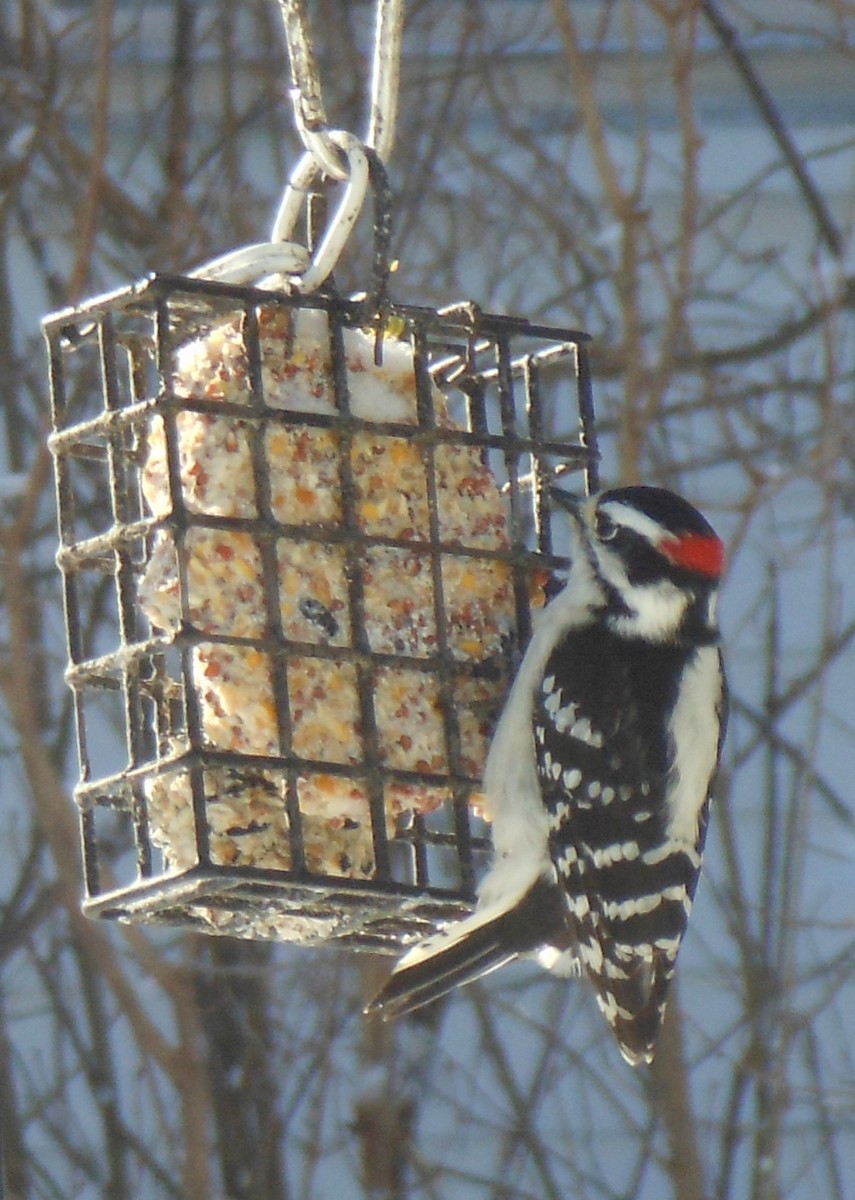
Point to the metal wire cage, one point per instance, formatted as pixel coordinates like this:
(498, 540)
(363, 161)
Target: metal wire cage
(300, 545)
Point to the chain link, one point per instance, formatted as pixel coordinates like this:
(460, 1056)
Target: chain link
(329, 248)
(332, 154)
(309, 112)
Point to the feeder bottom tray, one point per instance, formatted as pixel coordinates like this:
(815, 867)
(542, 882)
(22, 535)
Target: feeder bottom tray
(262, 904)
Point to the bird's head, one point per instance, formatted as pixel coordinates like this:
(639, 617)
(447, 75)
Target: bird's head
(658, 560)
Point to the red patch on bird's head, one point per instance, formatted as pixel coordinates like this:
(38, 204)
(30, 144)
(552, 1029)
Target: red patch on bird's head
(700, 553)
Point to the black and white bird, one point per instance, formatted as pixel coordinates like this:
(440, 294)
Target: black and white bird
(599, 773)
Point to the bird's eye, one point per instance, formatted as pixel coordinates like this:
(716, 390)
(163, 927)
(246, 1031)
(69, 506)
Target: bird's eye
(606, 528)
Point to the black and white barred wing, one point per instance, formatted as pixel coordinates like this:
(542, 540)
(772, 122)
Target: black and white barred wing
(625, 835)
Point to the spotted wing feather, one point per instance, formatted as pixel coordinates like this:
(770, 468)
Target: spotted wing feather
(605, 765)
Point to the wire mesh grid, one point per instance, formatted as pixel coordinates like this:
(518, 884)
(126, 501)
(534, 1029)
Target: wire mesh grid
(300, 546)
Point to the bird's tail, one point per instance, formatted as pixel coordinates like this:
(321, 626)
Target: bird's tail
(474, 947)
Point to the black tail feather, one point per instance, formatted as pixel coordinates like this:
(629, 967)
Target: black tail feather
(473, 948)
(459, 962)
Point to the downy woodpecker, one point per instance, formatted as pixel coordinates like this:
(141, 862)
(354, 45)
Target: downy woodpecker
(599, 773)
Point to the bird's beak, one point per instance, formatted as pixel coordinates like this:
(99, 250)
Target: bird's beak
(567, 501)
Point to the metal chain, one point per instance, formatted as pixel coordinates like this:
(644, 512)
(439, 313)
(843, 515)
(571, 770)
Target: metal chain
(309, 112)
(334, 154)
(385, 77)
(331, 244)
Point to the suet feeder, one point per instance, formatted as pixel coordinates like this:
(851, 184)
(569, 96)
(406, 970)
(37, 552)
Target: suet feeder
(301, 540)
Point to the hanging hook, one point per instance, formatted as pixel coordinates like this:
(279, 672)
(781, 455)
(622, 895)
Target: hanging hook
(309, 113)
(334, 154)
(385, 77)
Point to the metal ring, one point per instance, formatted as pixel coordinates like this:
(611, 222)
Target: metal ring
(319, 141)
(329, 249)
(251, 262)
(270, 261)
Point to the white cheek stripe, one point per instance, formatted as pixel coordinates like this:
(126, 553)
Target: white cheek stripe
(632, 518)
(656, 610)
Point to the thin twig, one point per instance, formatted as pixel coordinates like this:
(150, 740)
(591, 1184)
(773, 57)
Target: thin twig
(729, 38)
